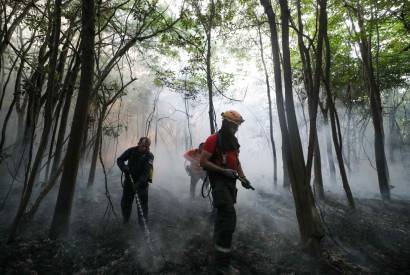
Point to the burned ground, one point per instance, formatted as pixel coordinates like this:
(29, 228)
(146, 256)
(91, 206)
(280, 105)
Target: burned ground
(373, 239)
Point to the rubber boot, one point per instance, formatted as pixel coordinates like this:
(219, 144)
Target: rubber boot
(228, 270)
(223, 264)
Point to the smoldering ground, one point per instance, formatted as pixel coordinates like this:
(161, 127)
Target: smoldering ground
(265, 242)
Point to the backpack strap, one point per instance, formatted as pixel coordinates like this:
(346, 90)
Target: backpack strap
(219, 148)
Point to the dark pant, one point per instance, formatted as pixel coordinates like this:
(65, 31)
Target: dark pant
(128, 194)
(224, 198)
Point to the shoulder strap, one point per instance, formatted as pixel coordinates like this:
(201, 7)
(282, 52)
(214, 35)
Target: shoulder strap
(219, 148)
(219, 142)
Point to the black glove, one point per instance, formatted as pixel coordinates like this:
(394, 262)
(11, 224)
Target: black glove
(246, 183)
(126, 170)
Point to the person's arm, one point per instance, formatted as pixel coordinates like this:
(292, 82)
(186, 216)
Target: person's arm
(189, 155)
(244, 181)
(207, 164)
(122, 159)
(240, 171)
(146, 169)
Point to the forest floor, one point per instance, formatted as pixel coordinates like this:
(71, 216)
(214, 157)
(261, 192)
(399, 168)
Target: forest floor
(373, 239)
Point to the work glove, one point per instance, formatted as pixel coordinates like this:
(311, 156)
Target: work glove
(126, 170)
(246, 183)
(230, 173)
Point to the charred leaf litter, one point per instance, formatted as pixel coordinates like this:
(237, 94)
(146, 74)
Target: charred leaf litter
(373, 239)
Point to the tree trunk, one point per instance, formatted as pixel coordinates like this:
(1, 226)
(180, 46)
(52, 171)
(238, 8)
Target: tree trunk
(331, 163)
(20, 107)
(61, 218)
(312, 86)
(272, 140)
(376, 110)
(309, 224)
(286, 180)
(47, 121)
(209, 83)
(336, 133)
(7, 32)
(318, 179)
(68, 89)
(349, 132)
(96, 149)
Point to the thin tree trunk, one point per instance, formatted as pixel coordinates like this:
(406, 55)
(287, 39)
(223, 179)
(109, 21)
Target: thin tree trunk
(48, 186)
(189, 145)
(96, 149)
(208, 69)
(272, 140)
(68, 90)
(377, 115)
(312, 86)
(331, 163)
(317, 165)
(375, 106)
(5, 84)
(286, 180)
(336, 133)
(20, 107)
(349, 126)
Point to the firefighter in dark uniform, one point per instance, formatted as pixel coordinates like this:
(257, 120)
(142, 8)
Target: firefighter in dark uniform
(220, 158)
(139, 168)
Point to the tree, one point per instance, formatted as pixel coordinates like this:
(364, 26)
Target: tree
(54, 42)
(61, 218)
(373, 90)
(268, 91)
(310, 227)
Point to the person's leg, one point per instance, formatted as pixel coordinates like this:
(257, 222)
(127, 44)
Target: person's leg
(126, 200)
(194, 181)
(225, 223)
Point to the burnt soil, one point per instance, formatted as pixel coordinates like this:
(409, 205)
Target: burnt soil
(373, 239)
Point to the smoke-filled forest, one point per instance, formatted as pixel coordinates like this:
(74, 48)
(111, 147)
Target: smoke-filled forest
(204, 137)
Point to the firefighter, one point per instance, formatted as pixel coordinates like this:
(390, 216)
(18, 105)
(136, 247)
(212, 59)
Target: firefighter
(220, 158)
(138, 173)
(194, 170)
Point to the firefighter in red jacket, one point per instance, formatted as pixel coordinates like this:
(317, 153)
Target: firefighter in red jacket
(194, 170)
(220, 158)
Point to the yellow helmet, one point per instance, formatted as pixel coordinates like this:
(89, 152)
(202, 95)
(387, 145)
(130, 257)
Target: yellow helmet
(233, 116)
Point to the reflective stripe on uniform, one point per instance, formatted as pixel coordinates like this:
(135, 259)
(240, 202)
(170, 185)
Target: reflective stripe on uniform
(222, 249)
